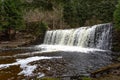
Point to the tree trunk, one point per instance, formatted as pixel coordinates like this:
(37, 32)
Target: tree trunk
(10, 34)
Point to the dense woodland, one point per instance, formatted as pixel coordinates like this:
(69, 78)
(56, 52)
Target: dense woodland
(37, 16)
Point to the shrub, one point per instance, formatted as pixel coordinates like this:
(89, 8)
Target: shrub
(37, 28)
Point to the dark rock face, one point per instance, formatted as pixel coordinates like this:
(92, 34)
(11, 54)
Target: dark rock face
(39, 40)
(116, 40)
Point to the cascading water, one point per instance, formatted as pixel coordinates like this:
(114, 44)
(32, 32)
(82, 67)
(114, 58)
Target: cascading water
(97, 36)
(71, 52)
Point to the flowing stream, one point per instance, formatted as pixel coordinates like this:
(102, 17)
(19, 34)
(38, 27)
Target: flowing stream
(68, 52)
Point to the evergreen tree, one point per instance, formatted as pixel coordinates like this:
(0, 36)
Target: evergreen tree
(11, 16)
(0, 14)
(117, 16)
(70, 14)
(104, 10)
(39, 4)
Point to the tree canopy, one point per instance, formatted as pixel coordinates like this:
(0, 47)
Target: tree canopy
(11, 14)
(78, 11)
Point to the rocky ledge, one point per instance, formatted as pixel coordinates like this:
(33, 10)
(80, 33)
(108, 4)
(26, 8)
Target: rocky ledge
(22, 39)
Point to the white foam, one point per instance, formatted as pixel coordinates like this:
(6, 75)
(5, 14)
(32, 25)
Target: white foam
(67, 48)
(27, 68)
(40, 75)
(36, 52)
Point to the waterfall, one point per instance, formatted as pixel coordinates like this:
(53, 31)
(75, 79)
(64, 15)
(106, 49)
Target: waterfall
(97, 36)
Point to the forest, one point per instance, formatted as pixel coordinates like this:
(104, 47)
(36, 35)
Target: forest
(36, 16)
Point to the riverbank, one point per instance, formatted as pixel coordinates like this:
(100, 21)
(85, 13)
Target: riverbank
(21, 39)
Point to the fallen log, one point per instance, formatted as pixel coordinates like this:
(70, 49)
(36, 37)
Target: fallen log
(105, 70)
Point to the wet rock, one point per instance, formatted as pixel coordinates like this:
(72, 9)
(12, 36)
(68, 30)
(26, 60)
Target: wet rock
(52, 68)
